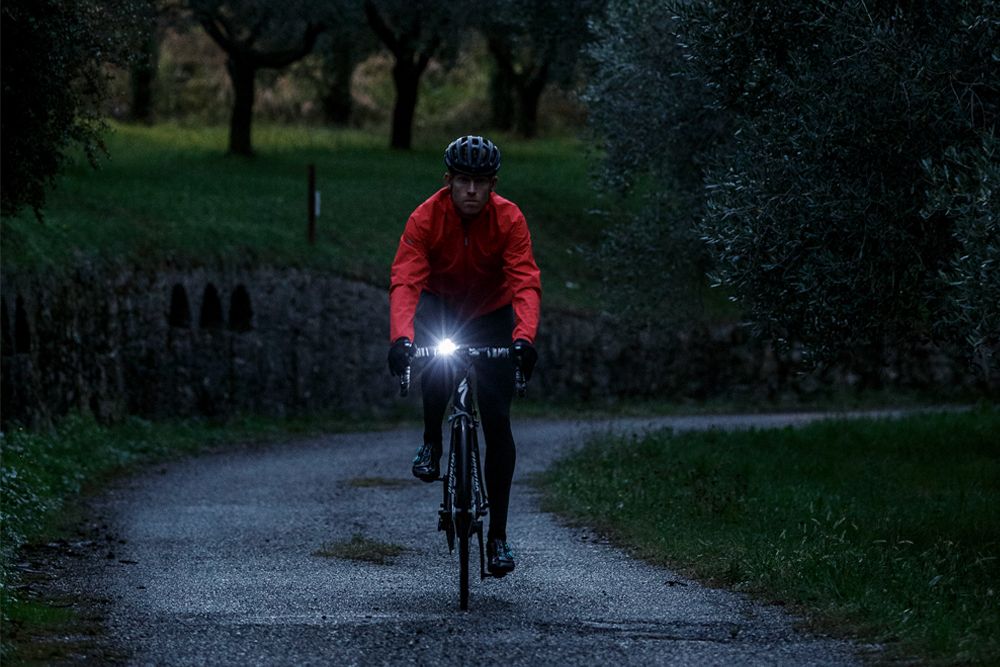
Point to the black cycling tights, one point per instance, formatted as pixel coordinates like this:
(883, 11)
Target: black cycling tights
(494, 391)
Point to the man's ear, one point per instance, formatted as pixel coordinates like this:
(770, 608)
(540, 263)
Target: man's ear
(493, 183)
(447, 178)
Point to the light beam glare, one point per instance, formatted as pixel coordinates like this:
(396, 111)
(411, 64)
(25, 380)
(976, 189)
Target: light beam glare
(446, 347)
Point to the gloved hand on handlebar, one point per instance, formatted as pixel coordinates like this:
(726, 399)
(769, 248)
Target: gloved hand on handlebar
(399, 355)
(524, 355)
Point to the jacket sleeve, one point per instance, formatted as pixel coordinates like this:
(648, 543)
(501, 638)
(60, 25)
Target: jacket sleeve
(524, 279)
(410, 271)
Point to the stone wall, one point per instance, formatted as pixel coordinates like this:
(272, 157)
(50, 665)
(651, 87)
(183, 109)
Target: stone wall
(200, 341)
(191, 342)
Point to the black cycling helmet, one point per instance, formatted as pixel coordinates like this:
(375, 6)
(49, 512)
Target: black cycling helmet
(473, 155)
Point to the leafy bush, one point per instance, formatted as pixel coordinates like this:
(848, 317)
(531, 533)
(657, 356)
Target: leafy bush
(650, 264)
(820, 215)
(54, 52)
(966, 187)
(654, 129)
(806, 142)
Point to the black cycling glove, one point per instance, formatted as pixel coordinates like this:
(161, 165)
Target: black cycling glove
(524, 355)
(399, 355)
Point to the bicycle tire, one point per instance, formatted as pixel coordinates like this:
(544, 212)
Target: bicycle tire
(463, 575)
(463, 508)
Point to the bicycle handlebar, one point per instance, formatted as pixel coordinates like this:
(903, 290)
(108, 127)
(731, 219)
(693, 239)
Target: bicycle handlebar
(464, 352)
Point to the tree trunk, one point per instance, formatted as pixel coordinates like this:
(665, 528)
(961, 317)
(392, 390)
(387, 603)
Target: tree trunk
(242, 74)
(336, 101)
(501, 101)
(527, 108)
(407, 79)
(502, 82)
(143, 74)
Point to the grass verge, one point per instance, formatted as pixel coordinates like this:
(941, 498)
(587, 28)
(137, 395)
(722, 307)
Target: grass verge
(363, 549)
(887, 529)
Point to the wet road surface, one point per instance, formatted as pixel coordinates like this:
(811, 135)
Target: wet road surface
(215, 562)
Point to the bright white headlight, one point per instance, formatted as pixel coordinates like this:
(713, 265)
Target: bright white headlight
(446, 347)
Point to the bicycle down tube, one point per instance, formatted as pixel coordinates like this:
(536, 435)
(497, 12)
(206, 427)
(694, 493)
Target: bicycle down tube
(465, 501)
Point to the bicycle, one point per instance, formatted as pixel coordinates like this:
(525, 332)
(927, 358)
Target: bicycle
(465, 501)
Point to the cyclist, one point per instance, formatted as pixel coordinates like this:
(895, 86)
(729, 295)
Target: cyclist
(464, 270)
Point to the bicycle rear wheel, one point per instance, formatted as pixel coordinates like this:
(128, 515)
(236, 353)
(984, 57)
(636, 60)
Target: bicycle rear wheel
(463, 507)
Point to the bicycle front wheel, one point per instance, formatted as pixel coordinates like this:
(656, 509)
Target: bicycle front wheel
(463, 575)
(463, 506)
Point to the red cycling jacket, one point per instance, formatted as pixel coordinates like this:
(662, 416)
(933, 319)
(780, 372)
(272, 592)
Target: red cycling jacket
(475, 266)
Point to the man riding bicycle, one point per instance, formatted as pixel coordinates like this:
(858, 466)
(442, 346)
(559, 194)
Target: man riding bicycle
(464, 270)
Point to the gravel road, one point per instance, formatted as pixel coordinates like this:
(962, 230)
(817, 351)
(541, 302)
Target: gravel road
(213, 561)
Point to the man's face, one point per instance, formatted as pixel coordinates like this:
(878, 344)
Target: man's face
(469, 193)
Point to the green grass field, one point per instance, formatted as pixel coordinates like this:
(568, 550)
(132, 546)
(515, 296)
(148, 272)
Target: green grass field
(170, 194)
(885, 529)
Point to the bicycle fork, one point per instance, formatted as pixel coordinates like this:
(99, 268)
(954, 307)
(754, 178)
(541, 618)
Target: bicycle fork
(481, 502)
(448, 519)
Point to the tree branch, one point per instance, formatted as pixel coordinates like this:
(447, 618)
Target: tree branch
(279, 59)
(380, 27)
(425, 55)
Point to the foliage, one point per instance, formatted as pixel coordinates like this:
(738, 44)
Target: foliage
(965, 187)
(647, 120)
(347, 42)
(414, 31)
(796, 139)
(818, 214)
(654, 129)
(53, 82)
(889, 528)
(257, 34)
(533, 43)
(260, 30)
(650, 266)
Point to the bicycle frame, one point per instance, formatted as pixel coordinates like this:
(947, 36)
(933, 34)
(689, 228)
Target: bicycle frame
(460, 515)
(464, 502)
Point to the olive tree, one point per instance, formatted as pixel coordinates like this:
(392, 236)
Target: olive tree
(340, 50)
(54, 81)
(257, 34)
(838, 159)
(654, 130)
(965, 186)
(533, 43)
(820, 212)
(414, 31)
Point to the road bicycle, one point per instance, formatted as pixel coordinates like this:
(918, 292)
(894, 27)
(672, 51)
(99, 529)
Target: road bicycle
(465, 502)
